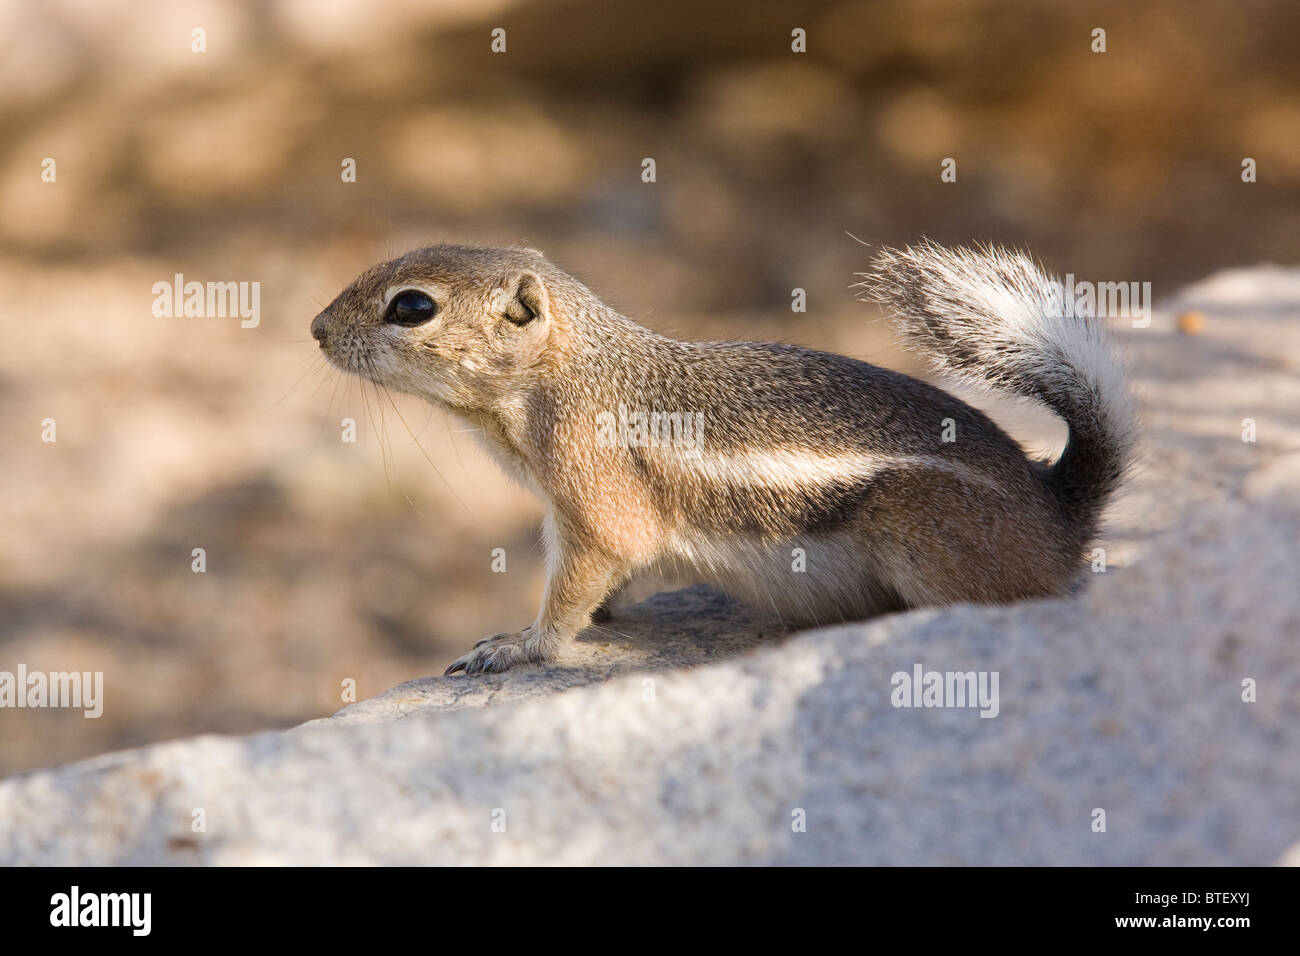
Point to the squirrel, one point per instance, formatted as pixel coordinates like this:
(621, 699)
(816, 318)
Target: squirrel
(813, 484)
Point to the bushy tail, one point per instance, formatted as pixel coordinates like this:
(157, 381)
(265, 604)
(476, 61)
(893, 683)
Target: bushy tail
(992, 317)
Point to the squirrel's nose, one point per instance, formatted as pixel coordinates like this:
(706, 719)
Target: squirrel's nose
(318, 325)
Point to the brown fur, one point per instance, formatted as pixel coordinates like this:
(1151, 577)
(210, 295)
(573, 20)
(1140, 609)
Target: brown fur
(800, 452)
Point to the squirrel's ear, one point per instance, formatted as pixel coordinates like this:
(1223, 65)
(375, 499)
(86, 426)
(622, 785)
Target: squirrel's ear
(524, 298)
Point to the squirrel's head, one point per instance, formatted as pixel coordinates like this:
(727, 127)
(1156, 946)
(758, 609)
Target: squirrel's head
(459, 325)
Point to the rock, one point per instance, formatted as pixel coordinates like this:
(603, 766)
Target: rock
(675, 630)
(1166, 696)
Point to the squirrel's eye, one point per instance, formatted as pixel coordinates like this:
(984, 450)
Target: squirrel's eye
(411, 308)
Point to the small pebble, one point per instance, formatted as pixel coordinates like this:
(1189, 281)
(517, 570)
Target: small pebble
(1191, 323)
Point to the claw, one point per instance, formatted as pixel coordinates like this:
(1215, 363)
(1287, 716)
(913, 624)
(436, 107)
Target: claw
(492, 660)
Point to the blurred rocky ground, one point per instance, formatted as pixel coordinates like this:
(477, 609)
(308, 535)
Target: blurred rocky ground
(371, 561)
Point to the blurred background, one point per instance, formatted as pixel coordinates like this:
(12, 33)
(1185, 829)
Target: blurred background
(329, 561)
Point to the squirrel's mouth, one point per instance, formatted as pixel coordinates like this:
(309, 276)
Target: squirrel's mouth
(351, 356)
(342, 347)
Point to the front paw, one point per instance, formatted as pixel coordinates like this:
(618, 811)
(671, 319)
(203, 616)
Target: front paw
(492, 655)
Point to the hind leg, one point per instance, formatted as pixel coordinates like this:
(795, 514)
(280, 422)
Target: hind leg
(605, 611)
(808, 581)
(937, 539)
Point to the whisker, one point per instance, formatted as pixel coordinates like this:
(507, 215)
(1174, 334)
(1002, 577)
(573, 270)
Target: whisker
(400, 417)
(370, 416)
(310, 370)
(609, 630)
